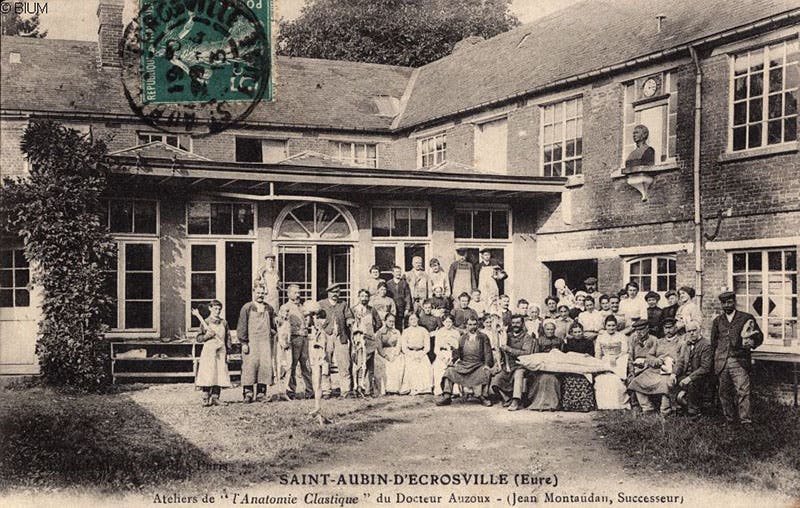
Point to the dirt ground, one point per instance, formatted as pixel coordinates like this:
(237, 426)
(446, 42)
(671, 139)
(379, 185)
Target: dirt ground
(403, 435)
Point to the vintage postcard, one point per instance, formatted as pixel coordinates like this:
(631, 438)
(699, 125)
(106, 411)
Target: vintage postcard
(436, 253)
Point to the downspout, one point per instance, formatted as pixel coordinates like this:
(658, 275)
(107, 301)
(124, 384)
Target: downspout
(698, 223)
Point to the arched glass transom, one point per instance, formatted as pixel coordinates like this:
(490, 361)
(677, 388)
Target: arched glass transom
(314, 221)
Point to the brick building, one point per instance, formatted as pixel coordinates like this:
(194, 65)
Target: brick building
(517, 143)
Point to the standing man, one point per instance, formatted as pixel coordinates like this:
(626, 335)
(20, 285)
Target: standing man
(256, 331)
(462, 274)
(268, 275)
(400, 292)
(419, 282)
(367, 322)
(490, 272)
(511, 380)
(338, 321)
(591, 288)
(733, 335)
(292, 311)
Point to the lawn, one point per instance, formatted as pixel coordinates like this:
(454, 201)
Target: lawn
(767, 457)
(143, 437)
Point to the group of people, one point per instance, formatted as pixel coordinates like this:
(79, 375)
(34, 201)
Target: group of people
(432, 331)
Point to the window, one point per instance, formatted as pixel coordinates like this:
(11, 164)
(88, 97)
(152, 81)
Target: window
(764, 96)
(314, 221)
(765, 283)
(481, 224)
(130, 216)
(359, 154)
(652, 101)
(491, 140)
(562, 138)
(260, 150)
(399, 222)
(132, 283)
(182, 142)
(203, 277)
(15, 277)
(657, 273)
(220, 219)
(400, 254)
(432, 150)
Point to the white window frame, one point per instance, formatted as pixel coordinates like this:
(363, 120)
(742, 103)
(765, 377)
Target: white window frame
(543, 108)
(654, 274)
(400, 251)
(639, 105)
(162, 136)
(351, 158)
(484, 208)
(391, 206)
(116, 234)
(435, 153)
(282, 139)
(14, 287)
(153, 332)
(252, 235)
(764, 122)
(763, 319)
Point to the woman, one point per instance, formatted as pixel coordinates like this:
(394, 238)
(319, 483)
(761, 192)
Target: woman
(382, 303)
(389, 361)
(374, 280)
(415, 344)
(563, 321)
(671, 310)
(534, 323)
(544, 390)
(445, 342)
(577, 392)
(439, 278)
(611, 347)
(212, 369)
(689, 316)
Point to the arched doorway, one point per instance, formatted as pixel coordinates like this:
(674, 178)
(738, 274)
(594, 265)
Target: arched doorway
(315, 244)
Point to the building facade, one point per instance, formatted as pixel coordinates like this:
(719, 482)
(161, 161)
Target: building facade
(517, 143)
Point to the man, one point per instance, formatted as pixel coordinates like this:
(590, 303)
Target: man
(489, 272)
(292, 311)
(439, 303)
(551, 307)
(590, 283)
(613, 304)
(509, 382)
(472, 365)
(366, 322)
(692, 370)
(461, 274)
(733, 335)
(641, 363)
(503, 310)
(256, 331)
(419, 282)
(400, 292)
(268, 275)
(463, 312)
(338, 320)
(478, 305)
(427, 319)
(654, 313)
(591, 319)
(439, 278)
(633, 307)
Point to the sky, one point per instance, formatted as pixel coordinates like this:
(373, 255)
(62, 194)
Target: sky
(77, 19)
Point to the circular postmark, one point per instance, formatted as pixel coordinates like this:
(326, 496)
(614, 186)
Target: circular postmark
(197, 66)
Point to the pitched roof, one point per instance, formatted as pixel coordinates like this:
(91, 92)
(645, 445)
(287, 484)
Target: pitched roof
(316, 159)
(584, 37)
(159, 150)
(61, 75)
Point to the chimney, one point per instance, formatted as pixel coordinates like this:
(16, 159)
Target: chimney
(109, 32)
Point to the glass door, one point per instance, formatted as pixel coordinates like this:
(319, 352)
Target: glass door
(296, 266)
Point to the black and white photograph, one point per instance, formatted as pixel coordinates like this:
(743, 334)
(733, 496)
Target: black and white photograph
(435, 253)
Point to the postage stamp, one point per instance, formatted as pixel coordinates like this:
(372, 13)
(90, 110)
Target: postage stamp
(197, 66)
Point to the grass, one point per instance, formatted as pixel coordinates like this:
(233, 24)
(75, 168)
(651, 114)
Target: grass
(768, 457)
(160, 436)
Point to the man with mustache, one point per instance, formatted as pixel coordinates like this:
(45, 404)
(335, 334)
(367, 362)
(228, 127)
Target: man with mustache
(256, 331)
(511, 380)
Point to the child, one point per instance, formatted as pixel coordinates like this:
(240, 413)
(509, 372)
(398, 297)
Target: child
(212, 371)
(445, 341)
(320, 347)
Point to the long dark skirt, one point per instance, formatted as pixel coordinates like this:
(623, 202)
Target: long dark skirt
(577, 393)
(544, 391)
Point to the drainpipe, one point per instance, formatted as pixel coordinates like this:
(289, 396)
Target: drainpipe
(698, 224)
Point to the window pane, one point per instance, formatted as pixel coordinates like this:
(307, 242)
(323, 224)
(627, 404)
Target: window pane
(139, 286)
(199, 218)
(22, 298)
(774, 261)
(775, 105)
(248, 150)
(791, 260)
(121, 216)
(110, 289)
(243, 219)
(400, 226)
(775, 79)
(419, 222)
(144, 217)
(7, 278)
(204, 258)
(756, 84)
(739, 138)
(139, 315)
(385, 259)
(221, 219)
(662, 283)
(480, 225)
(21, 278)
(6, 259)
(754, 261)
(740, 113)
(647, 267)
(790, 129)
(20, 261)
(204, 286)
(740, 88)
(380, 222)
(139, 256)
(500, 224)
(774, 132)
(662, 265)
(755, 110)
(6, 297)
(739, 262)
(754, 136)
(338, 229)
(463, 226)
(636, 268)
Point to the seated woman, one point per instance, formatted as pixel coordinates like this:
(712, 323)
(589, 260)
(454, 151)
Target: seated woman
(653, 372)
(389, 360)
(544, 388)
(611, 346)
(577, 392)
(445, 342)
(472, 364)
(415, 344)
